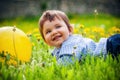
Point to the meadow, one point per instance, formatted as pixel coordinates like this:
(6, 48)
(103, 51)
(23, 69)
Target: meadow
(43, 66)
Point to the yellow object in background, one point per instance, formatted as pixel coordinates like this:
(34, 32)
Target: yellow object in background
(15, 42)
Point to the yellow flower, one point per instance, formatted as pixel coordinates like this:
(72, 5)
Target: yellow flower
(37, 35)
(33, 44)
(75, 30)
(91, 36)
(86, 30)
(81, 26)
(36, 30)
(13, 62)
(102, 34)
(38, 38)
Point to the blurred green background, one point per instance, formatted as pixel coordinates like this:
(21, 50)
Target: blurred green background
(25, 14)
(27, 24)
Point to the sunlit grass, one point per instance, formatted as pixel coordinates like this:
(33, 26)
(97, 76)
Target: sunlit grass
(42, 65)
(101, 20)
(24, 23)
(88, 20)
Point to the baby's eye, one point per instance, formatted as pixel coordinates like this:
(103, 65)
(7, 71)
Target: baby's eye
(58, 27)
(47, 32)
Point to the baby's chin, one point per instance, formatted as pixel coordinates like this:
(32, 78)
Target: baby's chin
(58, 45)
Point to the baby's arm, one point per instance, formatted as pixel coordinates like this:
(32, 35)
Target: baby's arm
(94, 48)
(91, 45)
(101, 47)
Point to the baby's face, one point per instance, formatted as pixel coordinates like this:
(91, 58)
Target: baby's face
(55, 32)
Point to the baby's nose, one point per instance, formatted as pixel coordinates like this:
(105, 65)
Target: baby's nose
(54, 32)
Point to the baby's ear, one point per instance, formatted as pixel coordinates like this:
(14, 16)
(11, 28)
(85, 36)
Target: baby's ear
(71, 28)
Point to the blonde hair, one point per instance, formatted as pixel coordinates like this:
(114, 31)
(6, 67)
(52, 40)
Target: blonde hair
(50, 15)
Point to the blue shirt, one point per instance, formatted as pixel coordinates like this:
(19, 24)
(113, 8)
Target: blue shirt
(76, 46)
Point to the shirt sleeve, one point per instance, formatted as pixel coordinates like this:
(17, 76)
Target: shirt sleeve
(91, 45)
(100, 47)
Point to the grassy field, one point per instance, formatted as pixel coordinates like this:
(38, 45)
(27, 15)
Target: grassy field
(88, 20)
(42, 65)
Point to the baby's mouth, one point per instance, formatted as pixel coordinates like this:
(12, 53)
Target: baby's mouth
(56, 37)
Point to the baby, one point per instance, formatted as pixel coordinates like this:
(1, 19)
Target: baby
(57, 31)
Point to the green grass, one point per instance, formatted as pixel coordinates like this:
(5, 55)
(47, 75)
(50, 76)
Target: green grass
(88, 20)
(42, 65)
(24, 23)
